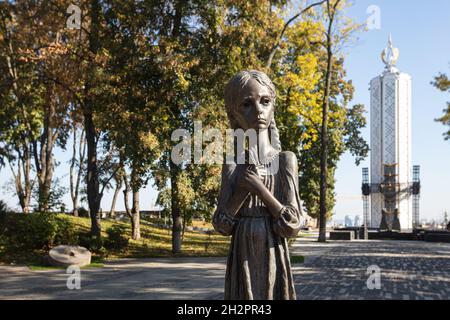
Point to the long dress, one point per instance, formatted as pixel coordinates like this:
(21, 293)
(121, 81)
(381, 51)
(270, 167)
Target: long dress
(258, 265)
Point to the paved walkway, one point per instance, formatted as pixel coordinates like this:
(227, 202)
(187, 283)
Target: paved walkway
(408, 270)
(335, 270)
(176, 278)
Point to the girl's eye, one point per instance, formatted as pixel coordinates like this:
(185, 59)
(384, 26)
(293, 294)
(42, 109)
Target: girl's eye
(266, 101)
(247, 104)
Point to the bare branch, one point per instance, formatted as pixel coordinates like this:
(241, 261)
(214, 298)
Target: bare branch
(286, 25)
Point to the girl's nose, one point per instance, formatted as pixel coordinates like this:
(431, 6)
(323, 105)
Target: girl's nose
(259, 108)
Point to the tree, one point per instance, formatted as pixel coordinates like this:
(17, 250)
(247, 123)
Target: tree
(442, 82)
(227, 36)
(130, 91)
(89, 107)
(279, 40)
(137, 70)
(21, 99)
(244, 37)
(331, 12)
(337, 33)
(35, 53)
(301, 86)
(86, 60)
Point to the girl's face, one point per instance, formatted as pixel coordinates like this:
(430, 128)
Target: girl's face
(254, 109)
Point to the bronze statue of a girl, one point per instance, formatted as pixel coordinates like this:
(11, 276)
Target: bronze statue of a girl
(258, 206)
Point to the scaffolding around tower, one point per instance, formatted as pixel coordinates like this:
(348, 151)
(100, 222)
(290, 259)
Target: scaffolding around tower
(365, 196)
(416, 196)
(391, 190)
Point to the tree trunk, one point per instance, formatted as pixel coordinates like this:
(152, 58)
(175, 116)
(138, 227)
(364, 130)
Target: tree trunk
(179, 10)
(324, 133)
(176, 212)
(44, 164)
(81, 156)
(71, 174)
(125, 197)
(135, 213)
(112, 212)
(135, 217)
(184, 228)
(92, 181)
(73, 196)
(28, 183)
(44, 158)
(93, 192)
(324, 158)
(23, 188)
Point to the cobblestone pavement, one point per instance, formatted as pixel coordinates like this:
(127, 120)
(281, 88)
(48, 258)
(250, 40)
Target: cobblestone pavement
(409, 270)
(335, 270)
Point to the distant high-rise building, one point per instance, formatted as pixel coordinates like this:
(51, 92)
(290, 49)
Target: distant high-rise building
(357, 222)
(348, 221)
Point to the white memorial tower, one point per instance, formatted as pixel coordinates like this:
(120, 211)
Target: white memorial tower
(392, 194)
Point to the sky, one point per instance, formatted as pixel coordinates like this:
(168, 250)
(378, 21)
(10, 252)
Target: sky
(421, 31)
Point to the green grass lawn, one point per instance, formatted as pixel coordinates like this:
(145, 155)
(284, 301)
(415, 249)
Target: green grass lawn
(154, 242)
(157, 242)
(40, 267)
(40, 264)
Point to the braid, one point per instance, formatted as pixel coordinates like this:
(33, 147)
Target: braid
(274, 135)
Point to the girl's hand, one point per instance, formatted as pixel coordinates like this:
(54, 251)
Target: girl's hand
(251, 182)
